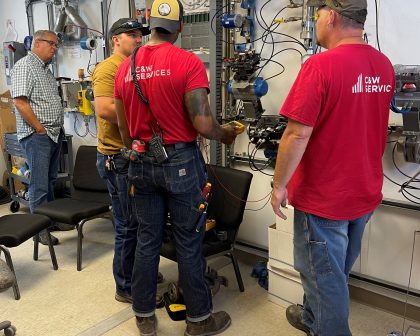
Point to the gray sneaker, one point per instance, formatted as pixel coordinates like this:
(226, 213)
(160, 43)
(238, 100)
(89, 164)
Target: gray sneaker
(7, 278)
(294, 317)
(213, 325)
(44, 240)
(147, 325)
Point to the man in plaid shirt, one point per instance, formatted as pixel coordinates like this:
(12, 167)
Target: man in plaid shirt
(39, 118)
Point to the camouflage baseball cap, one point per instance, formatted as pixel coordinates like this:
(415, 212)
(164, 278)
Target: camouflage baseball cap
(353, 9)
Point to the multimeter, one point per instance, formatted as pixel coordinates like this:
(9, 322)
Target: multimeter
(239, 127)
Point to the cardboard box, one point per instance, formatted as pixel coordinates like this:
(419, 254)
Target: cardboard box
(7, 118)
(284, 289)
(278, 266)
(286, 225)
(280, 245)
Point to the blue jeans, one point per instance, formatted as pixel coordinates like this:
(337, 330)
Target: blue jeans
(42, 156)
(324, 253)
(174, 187)
(124, 225)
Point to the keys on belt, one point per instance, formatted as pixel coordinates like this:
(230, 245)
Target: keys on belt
(109, 163)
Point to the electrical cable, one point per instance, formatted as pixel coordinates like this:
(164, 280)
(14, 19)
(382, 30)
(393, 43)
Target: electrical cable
(204, 144)
(396, 166)
(232, 194)
(395, 109)
(278, 74)
(73, 25)
(265, 204)
(251, 160)
(269, 30)
(377, 24)
(405, 185)
(251, 41)
(76, 119)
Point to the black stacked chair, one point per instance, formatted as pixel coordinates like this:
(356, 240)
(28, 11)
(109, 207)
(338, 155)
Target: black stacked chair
(89, 199)
(16, 229)
(230, 188)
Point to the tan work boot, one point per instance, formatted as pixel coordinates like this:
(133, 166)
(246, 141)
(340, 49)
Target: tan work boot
(147, 325)
(213, 325)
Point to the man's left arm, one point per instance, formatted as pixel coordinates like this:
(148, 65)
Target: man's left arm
(292, 146)
(105, 109)
(122, 123)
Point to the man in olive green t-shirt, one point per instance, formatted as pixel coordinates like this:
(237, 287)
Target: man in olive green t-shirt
(125, 35)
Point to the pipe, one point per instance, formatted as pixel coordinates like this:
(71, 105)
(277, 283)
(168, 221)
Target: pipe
(61, 21)
(77, 20)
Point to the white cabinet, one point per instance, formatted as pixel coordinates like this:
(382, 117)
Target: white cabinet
(387, 247)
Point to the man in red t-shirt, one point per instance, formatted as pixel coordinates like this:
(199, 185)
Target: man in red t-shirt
(175, 84)
(329, 163)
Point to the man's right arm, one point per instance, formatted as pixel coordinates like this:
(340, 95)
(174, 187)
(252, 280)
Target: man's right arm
(25, 110)
(122, 123)
(198, 108)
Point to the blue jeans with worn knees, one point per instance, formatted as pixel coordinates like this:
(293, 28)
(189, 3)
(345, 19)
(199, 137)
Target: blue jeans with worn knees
(42, 155)
(175, 187)
(124, 224)
(324, 253)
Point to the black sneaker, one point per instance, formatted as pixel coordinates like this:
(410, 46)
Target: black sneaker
(44, 240)
(294, 317)
(213, 325)
(147, 325)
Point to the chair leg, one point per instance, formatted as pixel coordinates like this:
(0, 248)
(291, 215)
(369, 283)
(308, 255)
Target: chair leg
(237, 271)
(10, 264)
(36, 245)
(79, 243)
(52, 252)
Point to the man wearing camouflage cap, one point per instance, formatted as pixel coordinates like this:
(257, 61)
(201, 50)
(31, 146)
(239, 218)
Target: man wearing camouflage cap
(329, 163)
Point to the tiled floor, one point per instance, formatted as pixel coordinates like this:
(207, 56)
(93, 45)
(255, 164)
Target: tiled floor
(67, 302)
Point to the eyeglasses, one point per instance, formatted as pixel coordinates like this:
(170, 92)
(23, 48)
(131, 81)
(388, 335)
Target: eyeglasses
(51, 43)
(316, 16)
(133, 24)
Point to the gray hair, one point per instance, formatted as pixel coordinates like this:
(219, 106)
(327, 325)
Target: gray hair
(40, 34)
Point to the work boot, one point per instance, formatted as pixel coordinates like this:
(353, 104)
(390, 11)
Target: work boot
(294, 317)
(123, 297)
(147, 325)
(62, 227)
(213, 325)
(127, 298)
(44, 240)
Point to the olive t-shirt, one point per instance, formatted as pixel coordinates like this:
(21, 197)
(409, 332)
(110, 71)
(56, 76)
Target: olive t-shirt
(109, 138)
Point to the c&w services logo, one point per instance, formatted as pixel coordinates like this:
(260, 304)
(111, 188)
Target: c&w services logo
(370, 84)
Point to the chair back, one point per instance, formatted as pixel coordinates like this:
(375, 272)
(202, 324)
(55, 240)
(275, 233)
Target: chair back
(87, 183)
(230, 188)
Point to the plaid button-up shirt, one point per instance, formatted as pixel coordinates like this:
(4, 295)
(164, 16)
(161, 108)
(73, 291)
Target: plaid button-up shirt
(31, 78)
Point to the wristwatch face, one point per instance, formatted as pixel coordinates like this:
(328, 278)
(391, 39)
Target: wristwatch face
(164, 9)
